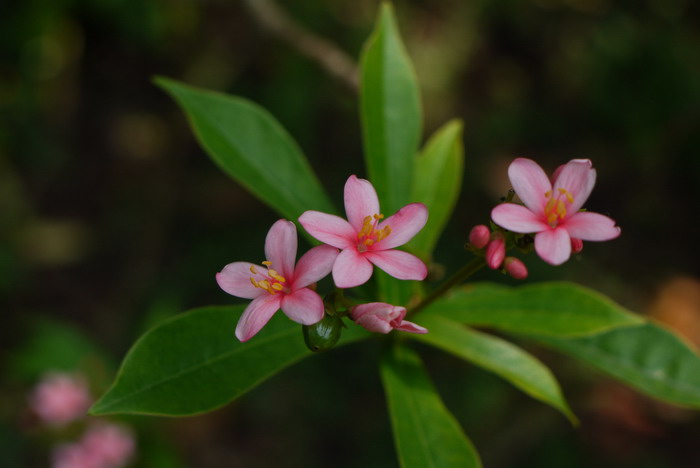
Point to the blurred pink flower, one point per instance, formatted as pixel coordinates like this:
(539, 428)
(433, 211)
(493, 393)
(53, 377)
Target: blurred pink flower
(73, 456)
(552, 208)
(60, 398)
(102, 446)
(365, 239)
(380, 317)
(279, 284)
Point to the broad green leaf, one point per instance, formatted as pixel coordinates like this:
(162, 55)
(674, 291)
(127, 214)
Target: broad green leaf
(647, 357)
(393, 290)
(498, 356)
(193, 363)
(436, 183)
(552, 308)
(253, 148)
(390, 112)
(425, 432)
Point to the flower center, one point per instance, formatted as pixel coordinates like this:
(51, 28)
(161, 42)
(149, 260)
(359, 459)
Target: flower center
(273, 282)
(555, 209)
(369, 234)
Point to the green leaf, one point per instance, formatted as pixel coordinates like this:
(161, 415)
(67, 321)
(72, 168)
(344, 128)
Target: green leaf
(425, 432)
(437, 182)
(393, 290)
(498, 356)
(193, 363)
(553, 308)
(647, 357)
(390, 112)
(248, 143)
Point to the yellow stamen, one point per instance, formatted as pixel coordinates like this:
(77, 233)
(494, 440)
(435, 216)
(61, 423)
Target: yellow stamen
(277, 276)
(267, 263)
(255, 283)
(277, 287)
(253, 270)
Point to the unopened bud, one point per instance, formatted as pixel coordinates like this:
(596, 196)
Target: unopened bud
(479, 236)
(323, 335)
(576, 245)
(495, 252)
(515, 268)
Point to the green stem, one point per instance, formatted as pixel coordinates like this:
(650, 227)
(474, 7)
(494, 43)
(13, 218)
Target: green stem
(465, 272)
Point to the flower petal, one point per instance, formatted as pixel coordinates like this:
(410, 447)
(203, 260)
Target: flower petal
(411, 327)
(517, 218)
(590, 226)
(404, 224)
(530, 183)
(351, 269)
(281, 247)
(256, 315)
(578, 177)
(235, 280)
(314, 265)
(360, 201)
(329, 229)
(399, 264)
(553, 245)
(303, 306)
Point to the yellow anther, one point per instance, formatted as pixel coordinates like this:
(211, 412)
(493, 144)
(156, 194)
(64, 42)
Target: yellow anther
(277, 276)
(568, 194)
(253, 270)
(267, 263)
(369, 242)
(255, 283)
(548, 193)
(378, 216)
(277, 287)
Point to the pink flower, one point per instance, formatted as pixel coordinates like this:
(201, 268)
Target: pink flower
(380, 317)
(365, 239)
(60, 398)
(552, 209)
(278, 284)
(111, 445)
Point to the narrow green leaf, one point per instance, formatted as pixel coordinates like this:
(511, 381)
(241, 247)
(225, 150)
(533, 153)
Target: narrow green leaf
(250, 145)
(193, 363)
(390, 112)
(552, 308)
(393, 290)
(647, 357)
(437, 182)
(425, 432)
(498, 356)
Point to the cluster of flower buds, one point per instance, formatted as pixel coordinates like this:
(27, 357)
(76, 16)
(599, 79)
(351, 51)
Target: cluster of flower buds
(493, 247)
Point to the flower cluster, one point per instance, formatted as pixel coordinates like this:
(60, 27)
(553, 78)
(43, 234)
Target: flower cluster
(353, 247)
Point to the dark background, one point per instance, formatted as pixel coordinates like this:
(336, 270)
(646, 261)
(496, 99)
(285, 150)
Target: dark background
(112, 218)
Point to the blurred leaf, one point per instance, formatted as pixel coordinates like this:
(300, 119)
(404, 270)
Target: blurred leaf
(647, 357)
(437, 182)
(390, 113)
(253, 148)
(193, 363)
(552, 308)
(393, 290)
(425, 432)
(498, 356)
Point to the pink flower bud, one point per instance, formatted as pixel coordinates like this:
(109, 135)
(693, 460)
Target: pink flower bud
(515, 268)
(479, 236)
(495, 252)
(60, 399)
(576, 245)
(73, 456)
(380, 317)
(110, 444)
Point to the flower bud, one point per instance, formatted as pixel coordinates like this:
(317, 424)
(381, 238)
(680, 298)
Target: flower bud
(495, 252)
(515, 268)
(380, 317)
(60, 398)
(576, 245)
(479, 236)
(323, 335)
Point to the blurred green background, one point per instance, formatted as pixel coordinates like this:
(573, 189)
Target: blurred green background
(112, 218)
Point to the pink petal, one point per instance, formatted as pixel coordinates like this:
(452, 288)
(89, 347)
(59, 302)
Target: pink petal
(351, 269)
(303, 306)
(590, 226)
(281, 247)
(399, 264)
(314, 265)
(329, 229)
(256, 315)
(517, 218)
(235, 280)
(530, 183)
(360, 201)
(553, 245)
(404, 224)
(578, 177)
(411, 327)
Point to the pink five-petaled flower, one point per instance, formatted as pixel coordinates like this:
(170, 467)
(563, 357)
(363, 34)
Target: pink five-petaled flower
(365, 239)
(552, 208)
(380, 317)
(279, 284)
